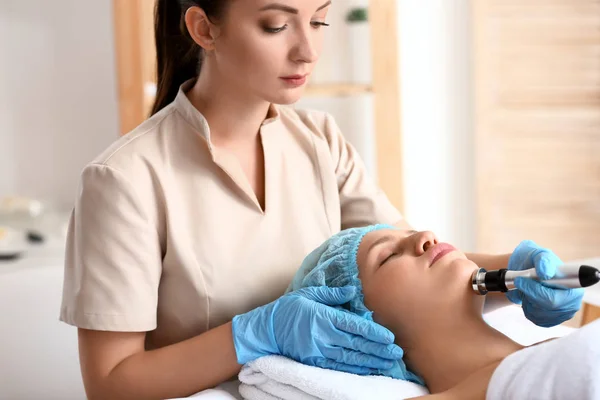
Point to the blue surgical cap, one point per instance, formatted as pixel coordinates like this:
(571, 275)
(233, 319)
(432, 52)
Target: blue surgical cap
(334, 264)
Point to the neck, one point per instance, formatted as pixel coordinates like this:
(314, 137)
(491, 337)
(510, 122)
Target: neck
(219, 99)
(467, 345)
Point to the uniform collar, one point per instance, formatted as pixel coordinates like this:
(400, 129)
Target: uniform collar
(197, 120)
(190, 113)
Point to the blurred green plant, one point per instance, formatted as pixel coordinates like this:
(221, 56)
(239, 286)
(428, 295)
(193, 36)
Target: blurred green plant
(358, 14)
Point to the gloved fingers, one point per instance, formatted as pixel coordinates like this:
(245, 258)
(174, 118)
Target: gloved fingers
(524, 255)
(520, 257)
(515, 296)
(328, 295)
(547, 298)
(543, 318)
(362, 345)
(351, 357)
(535, 292)
(526, 246)
(336, 366)
(356, 325)
(546, 263)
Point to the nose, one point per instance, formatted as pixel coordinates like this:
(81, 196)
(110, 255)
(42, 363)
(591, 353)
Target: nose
(305, 50)
(424, 240)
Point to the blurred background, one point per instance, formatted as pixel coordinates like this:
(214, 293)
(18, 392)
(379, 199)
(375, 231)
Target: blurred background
(480, 119)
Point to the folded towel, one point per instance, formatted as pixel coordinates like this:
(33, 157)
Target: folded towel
(276, 377)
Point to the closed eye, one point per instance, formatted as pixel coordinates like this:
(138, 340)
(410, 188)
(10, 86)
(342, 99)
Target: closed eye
(393, 254)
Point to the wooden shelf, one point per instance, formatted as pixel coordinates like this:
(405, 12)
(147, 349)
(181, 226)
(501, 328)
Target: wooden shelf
(337, 90)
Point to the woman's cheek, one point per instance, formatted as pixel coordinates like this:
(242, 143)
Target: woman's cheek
(370, 299)
(385, 311)
(379, 298)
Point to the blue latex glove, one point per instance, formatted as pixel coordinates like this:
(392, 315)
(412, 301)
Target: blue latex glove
(302, 326)
(544, 306)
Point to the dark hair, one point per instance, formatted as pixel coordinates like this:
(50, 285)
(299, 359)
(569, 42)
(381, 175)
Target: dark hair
(178, 57)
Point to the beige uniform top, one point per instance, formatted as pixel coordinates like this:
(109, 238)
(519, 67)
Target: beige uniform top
(167, 235)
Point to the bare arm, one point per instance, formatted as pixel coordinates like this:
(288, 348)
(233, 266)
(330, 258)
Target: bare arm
(115, 365)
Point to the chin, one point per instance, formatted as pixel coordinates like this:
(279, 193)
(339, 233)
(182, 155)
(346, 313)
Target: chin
(465, 265)
(457, 273)
(286, 97)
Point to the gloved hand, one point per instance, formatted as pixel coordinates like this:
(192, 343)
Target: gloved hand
(302, 326)
(544, 306)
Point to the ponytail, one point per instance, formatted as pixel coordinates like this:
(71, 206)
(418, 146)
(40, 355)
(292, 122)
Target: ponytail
(177, 55)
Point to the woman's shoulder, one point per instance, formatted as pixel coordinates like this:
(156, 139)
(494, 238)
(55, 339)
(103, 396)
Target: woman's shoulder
(141, 139)
(152, 146)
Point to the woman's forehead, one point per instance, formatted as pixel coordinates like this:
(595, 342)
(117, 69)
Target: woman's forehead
(372, 239)
(388, 233)
(286, 6)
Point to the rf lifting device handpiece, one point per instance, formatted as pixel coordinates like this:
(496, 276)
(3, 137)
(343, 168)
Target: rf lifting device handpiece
(503, 280)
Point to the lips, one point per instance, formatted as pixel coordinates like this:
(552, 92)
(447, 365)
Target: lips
(294, 80)
(440, 250)
(293, 77)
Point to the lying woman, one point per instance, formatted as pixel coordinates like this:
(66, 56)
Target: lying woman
(420, 289)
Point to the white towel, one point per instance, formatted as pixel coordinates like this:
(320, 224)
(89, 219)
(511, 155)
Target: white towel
(276, 377)
(225, 391)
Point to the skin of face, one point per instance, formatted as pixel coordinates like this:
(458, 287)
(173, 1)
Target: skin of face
(406, 291)
(258, 42)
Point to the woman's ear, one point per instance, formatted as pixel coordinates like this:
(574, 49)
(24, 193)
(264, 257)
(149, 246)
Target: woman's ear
(201, 30)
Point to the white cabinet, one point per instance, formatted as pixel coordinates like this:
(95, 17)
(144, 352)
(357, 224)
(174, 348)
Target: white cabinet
(38, 352)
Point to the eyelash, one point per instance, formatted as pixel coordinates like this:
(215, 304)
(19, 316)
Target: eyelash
(314, 24)
(318, 24)
(394, 254)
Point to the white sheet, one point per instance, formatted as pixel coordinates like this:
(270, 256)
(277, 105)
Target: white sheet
(562, 369)
(511, 321)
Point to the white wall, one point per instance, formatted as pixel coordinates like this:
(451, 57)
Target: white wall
(58, 105)
(435, 51)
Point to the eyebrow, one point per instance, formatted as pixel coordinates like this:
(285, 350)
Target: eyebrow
(379, 241)
(288, 9)
(387, 238)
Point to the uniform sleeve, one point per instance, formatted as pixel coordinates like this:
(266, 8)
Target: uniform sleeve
(362, 201)
(113, 257)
